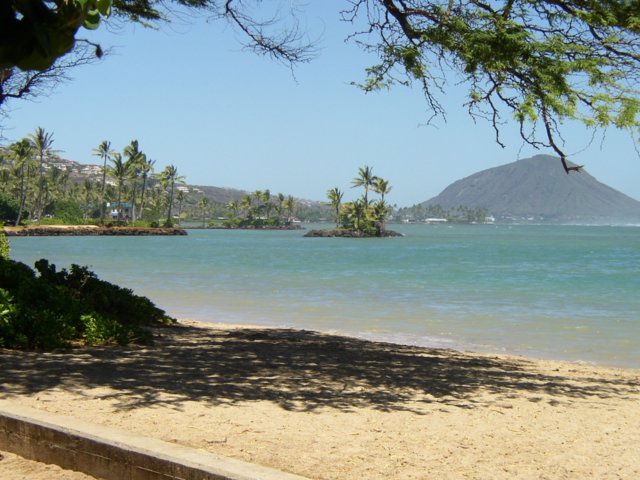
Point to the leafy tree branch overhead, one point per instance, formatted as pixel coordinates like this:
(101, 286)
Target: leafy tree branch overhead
(544, 61)
(538, 63)
(37, 32)
(34, 33)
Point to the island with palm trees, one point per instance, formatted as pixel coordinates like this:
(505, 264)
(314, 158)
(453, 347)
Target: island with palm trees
(263, 211)
(362, 217)
(41, 196)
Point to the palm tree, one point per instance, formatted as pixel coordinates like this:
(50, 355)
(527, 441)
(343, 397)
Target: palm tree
(42, 142)
(233, 207)
(146, 167)
(104, 152)
(63, 183)
(364, 179)
(134, 168)
(154, 199)
(266, 200)
(55, 177)
(203, 205)
(381, 187)
(5, 178)
(379, 214)
(88, 197)
(181, 196)
(258, 206)
(21, 152)
(279, 206)
(335, 197)
(289, 205)
(246, 205)
(358, 213)
(170, 177)
(118, 170)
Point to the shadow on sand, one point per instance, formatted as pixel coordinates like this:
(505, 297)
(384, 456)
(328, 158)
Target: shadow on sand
(298, 370)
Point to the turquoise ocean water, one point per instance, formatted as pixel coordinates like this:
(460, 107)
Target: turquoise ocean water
(563, 292)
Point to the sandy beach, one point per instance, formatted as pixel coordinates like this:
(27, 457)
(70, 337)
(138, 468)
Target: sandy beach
(333, 407)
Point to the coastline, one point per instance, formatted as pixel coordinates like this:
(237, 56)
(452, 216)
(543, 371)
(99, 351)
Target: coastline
(252, 227)
(82, 230)
(328, 406)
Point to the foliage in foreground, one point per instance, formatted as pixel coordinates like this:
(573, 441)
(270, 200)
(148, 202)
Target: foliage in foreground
(5, 247)
(53, 308)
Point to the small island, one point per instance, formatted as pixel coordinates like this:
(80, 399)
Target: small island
(361, 218)
(349, 233)
(255, 227)
(261, 211)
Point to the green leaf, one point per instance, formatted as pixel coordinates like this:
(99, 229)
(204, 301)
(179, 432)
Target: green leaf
(104, 7)
(92, 20)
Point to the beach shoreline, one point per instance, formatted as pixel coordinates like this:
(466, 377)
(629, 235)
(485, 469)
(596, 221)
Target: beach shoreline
(328, 406)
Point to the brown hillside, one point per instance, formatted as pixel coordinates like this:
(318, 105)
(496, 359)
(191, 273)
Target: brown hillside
(538, 188)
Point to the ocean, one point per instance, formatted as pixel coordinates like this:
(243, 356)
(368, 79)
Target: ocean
(559, 292)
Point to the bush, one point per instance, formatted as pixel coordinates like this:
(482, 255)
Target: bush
(54, 308)
(5, 247)
(60, 221)
(68, 211)
(232, 222)
(250, 222)
(141, 224)
(8, 208)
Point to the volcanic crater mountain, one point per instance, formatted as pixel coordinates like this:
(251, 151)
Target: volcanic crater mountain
(538, 189)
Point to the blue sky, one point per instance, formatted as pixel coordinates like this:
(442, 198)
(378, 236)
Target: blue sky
(193, 97)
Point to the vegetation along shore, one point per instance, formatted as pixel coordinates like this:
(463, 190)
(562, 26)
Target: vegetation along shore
(75, 230)
(39, 188)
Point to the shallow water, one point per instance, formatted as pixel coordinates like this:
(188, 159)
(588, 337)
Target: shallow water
(564, 292)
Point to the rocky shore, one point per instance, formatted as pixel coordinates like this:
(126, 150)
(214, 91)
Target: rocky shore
(76, 230)
(253, 227)
(348, 233)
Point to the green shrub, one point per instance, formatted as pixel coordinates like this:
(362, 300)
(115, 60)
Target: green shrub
(9, 207)
(100, 330)
(62, 221)
(54, 308)
(49, 221)
(140, 224)
(5, 247)
(232, 222)
(7, 312)
(68, 211)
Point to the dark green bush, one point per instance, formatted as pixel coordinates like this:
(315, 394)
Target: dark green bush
(8, 208)
(232, 222)
(5, 247)
(54, 308)
(68, 211)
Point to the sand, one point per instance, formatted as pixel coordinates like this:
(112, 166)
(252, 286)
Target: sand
(332, 407)
(13, 467)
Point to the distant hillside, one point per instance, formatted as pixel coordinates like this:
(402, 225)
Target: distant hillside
(538, 189)
(219, 194)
